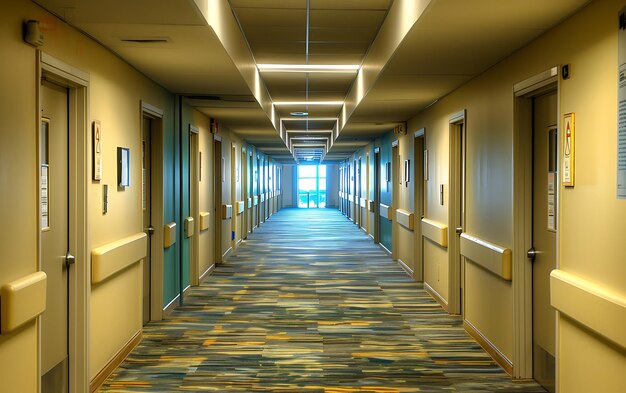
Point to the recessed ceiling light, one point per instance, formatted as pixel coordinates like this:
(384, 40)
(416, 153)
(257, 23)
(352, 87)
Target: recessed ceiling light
(299, 114)
(337, 68)
(308, 103)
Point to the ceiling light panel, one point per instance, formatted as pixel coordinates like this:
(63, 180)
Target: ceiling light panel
(327, 68)
(310, 103)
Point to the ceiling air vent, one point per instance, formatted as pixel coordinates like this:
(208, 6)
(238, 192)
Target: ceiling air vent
(146, 40)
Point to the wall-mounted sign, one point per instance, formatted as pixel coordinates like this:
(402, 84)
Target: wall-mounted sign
(45, 222)
(123, 167)
(96, 139)
(621, 107)
(568, 150)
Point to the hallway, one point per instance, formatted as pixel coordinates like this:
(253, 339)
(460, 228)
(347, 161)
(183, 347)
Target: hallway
(310, 304)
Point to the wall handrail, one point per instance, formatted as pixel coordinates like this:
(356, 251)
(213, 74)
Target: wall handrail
(227, 212)
(385, 211)
(496, 259)
(112, 257)
(405, 218)
(435, 231)
(591, 304)
(22, 301)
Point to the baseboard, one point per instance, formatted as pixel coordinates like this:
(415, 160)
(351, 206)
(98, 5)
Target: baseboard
(167, 310)
(227, 253)
(371, 235)
(385, 249)
(114, 363)
(488, 346)
(186, 291)
(238, 242)
(207, 273)
(431, 291)
(406, 268)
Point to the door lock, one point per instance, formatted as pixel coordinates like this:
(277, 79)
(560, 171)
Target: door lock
(150, 230)
(69, 259)
(531, 254)
(459, 230)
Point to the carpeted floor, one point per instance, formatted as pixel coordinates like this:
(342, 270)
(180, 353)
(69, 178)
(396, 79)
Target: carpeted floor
(310, 304)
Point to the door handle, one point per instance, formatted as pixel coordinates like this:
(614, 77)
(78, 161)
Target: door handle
(150, 230)
(69, 259)
(531, 254)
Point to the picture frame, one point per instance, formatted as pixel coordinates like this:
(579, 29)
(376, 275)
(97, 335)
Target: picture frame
(96, 150)
(400, 174)
(407, 172)
(123, 167)
(568, 157)
(425, 165)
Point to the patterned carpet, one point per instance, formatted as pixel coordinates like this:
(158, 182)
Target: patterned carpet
(310, 304)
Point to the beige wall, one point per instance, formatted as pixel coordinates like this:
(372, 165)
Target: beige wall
(115, 92)
(591, 218)
(18, 182)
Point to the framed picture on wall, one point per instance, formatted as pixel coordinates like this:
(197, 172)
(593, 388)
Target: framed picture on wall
(388, 171)
(407, 172)
(96, 141)
(123, 167)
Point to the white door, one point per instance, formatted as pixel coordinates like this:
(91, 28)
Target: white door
(545, 187)
(54, 237)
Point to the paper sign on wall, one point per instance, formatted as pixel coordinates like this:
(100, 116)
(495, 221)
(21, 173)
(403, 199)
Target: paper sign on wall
(621, 107)
(45, 223)
(552, 201)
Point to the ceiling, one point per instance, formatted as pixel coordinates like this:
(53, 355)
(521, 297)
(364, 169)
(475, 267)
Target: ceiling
(408, 52)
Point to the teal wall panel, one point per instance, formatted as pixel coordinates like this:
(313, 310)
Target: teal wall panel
(386, 188)
(171, 274)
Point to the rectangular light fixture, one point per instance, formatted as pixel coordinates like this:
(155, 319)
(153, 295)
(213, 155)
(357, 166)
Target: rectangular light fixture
(306, 138)
(309, 132)
(309, 103)
(331, 68)
(308, 118)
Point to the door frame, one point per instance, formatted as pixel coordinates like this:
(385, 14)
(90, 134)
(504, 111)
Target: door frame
(418, 204)
(244, 192)
(355, 202)
(233, 194)
(366, 227)
(377, 189)
(218, 179)
(258, 191)
(77, 82)
(523, 92)
(395, 197)
(156, 213)
(194, 204)
(456, 199)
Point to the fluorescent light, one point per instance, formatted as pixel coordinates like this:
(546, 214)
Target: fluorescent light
(336, 68)
(308, 103)
(308, 118)
(309, 131)
(306, 138)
